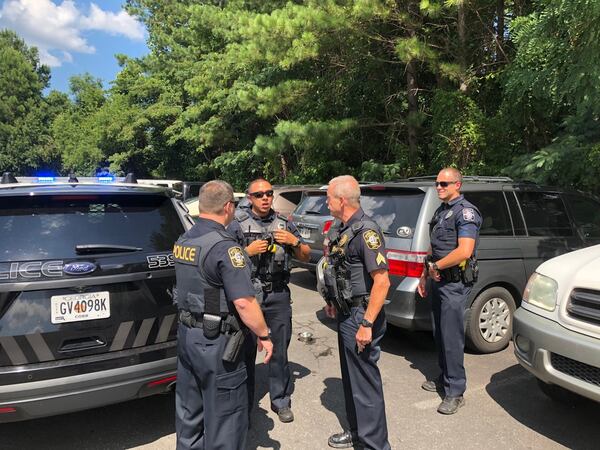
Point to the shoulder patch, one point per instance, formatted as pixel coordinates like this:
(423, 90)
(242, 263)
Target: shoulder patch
(236, 256)
(372, 239)
(469, 214)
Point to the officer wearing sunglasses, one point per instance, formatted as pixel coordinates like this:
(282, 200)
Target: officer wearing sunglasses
(269, 240)
(454, 232)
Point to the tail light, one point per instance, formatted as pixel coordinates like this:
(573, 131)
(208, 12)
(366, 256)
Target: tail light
(406, 264)
(162, 381)
(327, 226)
(7, 410)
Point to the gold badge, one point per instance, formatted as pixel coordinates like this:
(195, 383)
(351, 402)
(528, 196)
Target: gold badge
(380, 259)
(343, 240)
(372, 239)
(236, 255)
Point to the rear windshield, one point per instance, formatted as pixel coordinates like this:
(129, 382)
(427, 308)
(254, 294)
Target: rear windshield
(391, 210)
(313, 204)
(50, 226)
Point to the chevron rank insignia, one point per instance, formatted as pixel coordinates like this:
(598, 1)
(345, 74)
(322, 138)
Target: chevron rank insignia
(380, 259)
(236, 256)
(372, 239)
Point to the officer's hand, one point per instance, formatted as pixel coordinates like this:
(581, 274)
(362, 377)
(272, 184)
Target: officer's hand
(364, 336)
(434, 274)
(268, 346)
(330, 311)
(422, 287)
(284, 237)
(256, 247)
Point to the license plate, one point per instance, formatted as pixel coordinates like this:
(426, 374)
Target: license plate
(80, 307)
(304, 232)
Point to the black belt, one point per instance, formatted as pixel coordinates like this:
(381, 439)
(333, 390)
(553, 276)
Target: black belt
(194, 320)
(270, 286)
(452, 274)
(360, 300)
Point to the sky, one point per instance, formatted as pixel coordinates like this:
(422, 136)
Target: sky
(76, 36)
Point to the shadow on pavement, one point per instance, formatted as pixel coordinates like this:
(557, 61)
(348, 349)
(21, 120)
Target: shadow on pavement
(332, 398)
(125, 425)
(573, 424)
(261, 422)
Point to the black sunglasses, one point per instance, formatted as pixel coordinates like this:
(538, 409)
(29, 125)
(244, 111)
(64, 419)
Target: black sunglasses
(444, 183)
(261, 194)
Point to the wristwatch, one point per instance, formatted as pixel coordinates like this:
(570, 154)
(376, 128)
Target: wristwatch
(267, 337)
(434, 266)
(297, 244)
(365, 323)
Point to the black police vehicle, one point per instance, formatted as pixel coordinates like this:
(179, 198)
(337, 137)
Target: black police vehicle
(86, 294)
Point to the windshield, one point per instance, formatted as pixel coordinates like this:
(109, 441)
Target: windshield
(51, 226)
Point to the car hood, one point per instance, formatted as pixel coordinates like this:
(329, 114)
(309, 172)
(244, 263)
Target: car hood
(579, 267)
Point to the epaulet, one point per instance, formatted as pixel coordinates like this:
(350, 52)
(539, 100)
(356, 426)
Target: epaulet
(357, 226)
(241, 215)
(280, 216)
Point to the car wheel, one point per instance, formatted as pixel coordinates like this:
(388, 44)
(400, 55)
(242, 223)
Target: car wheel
(557, 393)
(489, 320)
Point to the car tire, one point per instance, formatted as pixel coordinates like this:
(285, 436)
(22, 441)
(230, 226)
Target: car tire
(489, 320)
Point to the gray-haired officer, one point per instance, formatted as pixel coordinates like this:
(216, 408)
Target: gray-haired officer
(452, 269)
(216, 303)
(360, 276)
(269, 240)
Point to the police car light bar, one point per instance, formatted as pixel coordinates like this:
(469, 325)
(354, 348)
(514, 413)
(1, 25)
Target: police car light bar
(45, 179)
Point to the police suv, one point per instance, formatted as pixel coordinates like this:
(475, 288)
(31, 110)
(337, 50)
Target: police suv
(86, 293)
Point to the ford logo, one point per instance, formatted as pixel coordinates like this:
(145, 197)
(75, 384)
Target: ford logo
(79, 268)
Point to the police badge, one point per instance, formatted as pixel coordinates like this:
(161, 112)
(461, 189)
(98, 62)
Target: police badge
(372, 239)
(236, 256)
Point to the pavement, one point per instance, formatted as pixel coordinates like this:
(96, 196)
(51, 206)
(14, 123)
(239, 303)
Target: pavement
(504, 407)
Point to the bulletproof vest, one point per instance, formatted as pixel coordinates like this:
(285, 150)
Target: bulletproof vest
(356, 278)
(442, 228)
(195, 292)
(273, 265)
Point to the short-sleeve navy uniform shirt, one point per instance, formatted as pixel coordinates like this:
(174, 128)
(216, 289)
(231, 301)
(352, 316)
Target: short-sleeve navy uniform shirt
(219, 266)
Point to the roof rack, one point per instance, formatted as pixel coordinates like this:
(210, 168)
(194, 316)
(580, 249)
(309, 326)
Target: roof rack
(472, 178)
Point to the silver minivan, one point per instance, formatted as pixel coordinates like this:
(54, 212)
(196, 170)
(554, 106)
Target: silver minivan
(523, 225)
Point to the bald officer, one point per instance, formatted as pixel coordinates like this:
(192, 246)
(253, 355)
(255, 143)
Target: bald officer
(360, 264)
(454, 234)
(215, 299)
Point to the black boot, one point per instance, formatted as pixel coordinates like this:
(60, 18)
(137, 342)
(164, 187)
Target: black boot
(345, 439)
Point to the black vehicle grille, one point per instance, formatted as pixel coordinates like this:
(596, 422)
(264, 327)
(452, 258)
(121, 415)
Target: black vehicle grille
(584, 305)
(579, 370)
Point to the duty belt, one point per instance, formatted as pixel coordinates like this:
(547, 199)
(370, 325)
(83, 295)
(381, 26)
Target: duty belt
(360, 300)
(452, 274)
(270, 286)
(193, 320)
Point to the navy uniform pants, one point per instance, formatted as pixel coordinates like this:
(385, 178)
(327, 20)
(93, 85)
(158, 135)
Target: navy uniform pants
(448, 309)
(363, 389)
(211, 399)
(277, 310)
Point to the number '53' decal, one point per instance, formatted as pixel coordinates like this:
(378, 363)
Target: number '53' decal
(160, 261)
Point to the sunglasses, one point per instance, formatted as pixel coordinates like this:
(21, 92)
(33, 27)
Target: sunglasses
(261, 194)
(444, 183)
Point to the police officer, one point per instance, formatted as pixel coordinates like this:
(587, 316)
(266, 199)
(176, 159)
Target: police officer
(359, 247)
(454, 234)
(269, 240)
(216, 303)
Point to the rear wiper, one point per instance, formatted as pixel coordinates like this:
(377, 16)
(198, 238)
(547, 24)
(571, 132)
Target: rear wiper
(317, 213)
(104, 248)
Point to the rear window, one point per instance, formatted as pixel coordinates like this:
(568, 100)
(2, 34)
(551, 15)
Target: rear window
(293, 196)
(393, 211)
(50, 226)
(313, 204)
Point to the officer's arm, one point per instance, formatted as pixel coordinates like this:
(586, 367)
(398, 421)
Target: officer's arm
(465, 249)
(302, 252)
(381, 284)
(251, 315)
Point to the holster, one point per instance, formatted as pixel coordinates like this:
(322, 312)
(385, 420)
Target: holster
(236, 340)
(471, 272)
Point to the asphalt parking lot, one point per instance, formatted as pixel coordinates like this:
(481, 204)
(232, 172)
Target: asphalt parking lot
(504, 407)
